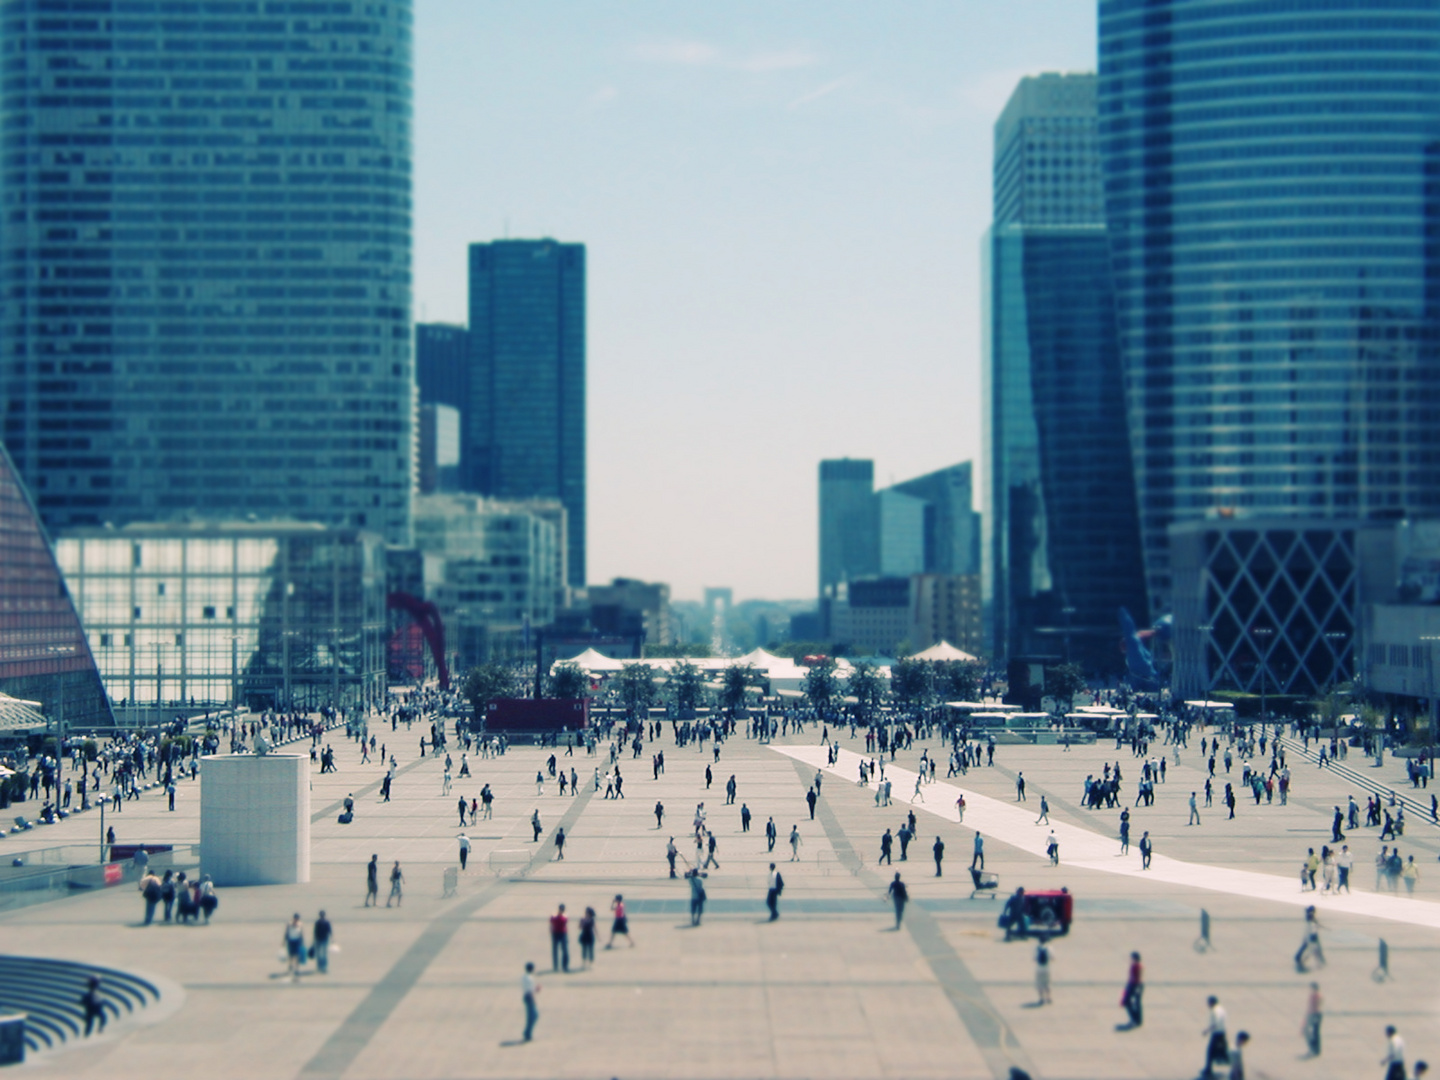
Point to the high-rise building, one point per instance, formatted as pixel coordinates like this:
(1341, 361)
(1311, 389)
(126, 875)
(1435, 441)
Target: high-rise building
(1062, 549)
(524, 424)
(439, 449)
(952, 527)
(206, 256)
(1272, 185)
(442, 364)
(849, 528)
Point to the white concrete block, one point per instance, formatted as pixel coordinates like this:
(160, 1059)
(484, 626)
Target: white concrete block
(255, 819)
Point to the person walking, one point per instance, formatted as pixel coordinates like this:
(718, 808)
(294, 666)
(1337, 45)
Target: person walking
(977, 859)
(1217, 1046)
(938, 850)
(697, 894)
(898, 896)
(710, 853)
(671, 853)
(150, 889)
(293, 942)
(560, 940)
(560, 844)
(372, 881)
(397, 885)
(770, 834)
(1310, 941)
(1042, 973)
(885, 844)
(745, 816)
(1133, 996)
(1394, 1059)
(795, 842)
(586, 937)
(659, 813)
(621, 926)
(1194, 811)
(464, 850)
(811, 798)
(94, 1006)
(1044, 811)
(1052, 848)
(1019, 787)
(535, 826)
(320, 943)
(1146, 850)
(1237, 1056)
(529, 990)
(1314, 1014)
(773, 884)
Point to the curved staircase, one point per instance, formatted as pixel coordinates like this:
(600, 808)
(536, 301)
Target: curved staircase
(49, 993)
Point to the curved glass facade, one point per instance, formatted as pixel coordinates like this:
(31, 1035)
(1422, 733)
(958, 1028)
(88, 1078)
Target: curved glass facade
(206, 258)
(1272, 187)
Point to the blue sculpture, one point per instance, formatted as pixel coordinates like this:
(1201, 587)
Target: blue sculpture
(1141, 647)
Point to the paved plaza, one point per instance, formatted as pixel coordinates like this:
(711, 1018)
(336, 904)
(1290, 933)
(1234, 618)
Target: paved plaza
(432, 989)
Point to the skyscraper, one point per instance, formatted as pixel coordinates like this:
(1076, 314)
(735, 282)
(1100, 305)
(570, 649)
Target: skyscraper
(206, 256)
(1062, 542)
(1272, 182)
(849, 525)
(442, 360)
(524, 425)
(952, 527)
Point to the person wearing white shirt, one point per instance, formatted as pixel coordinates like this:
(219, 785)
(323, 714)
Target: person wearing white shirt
(528, 989)
(1217, 1050)
(1394, 1059)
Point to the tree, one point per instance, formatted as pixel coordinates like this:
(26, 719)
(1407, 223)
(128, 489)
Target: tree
(1063, 682)
(637, 686)
(865, 686)
(958, 680)
(821, 685)
(913, 682)
(735, 685)
(569, 681)
(686, 686)
(487, 683)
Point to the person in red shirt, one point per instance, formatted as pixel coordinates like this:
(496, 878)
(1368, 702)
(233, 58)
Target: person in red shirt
(559, 941)
(1134, 991)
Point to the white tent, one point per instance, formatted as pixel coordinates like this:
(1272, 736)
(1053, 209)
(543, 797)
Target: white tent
(591, 661)
(943, 651)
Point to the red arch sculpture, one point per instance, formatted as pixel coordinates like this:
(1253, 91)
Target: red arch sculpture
(427, 617)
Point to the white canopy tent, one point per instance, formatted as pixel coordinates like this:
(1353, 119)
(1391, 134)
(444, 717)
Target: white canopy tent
(943, 651)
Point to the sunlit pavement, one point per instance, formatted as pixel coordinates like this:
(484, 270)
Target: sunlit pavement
(432, 989)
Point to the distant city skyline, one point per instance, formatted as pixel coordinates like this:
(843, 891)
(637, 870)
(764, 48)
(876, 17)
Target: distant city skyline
(783, 210)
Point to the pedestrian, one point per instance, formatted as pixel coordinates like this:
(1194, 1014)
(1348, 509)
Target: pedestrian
(960, 809)
(397, 885)
(1042, 973)
(977, 860)
(1194, 811)
(150, 889)
(811, 798)
(697, 894)
(1146, 849)
(1133, 996)
(1343, 864)
(671, 852)
(559, 940)
(1237, 1056)
(770, 834)
(320, 947)
(94, 1006)
(744, 818)
(898, 896)
(621, 925)
(795, 843)
(774, 883)
(1217, 1046)
(587, 937)
(1310, 942)
(659, 813)
(1394, 1059)
(529, 989)
(1410, 875)
(1052, 848)
(1314, 1013)
(560, 844)
(1044, 811)
(885, 845)
(938, 849)
(710, 853)
(464, 850)
(535, 826)
(372, 881)
(293, 943)
(1019, 787)
(167, 893)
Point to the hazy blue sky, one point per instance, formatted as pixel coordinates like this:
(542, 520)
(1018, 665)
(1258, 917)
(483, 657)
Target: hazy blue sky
(783, 205)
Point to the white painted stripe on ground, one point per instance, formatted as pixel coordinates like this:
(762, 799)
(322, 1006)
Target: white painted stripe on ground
(1014, 824)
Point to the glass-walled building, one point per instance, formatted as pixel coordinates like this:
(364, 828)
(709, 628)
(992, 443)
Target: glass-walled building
(265, 615)
(1272, 186)
(206, 255)
(1062, 550)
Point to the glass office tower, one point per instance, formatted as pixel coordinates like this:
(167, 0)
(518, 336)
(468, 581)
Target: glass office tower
(524, 427)
(206, 259)
(1062, 550)
(1272, 185)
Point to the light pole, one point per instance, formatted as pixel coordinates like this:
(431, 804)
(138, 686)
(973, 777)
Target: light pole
(1430, 640)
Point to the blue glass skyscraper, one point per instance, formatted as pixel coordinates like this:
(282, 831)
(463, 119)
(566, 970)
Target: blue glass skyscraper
(524, 428)
(206, 258)
(1272, 186)
(1062, 550)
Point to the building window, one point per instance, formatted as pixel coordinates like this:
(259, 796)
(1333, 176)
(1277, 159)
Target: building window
(105, 641)
(179, 639)
(160, 589)
(229, 612)
(135, 612)
(208, 611)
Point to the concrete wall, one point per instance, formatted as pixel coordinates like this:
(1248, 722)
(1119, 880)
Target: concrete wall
(255, 819)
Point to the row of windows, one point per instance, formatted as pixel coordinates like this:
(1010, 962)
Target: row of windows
(1416, 656)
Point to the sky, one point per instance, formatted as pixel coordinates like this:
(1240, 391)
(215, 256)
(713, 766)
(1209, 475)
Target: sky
(782, 206)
